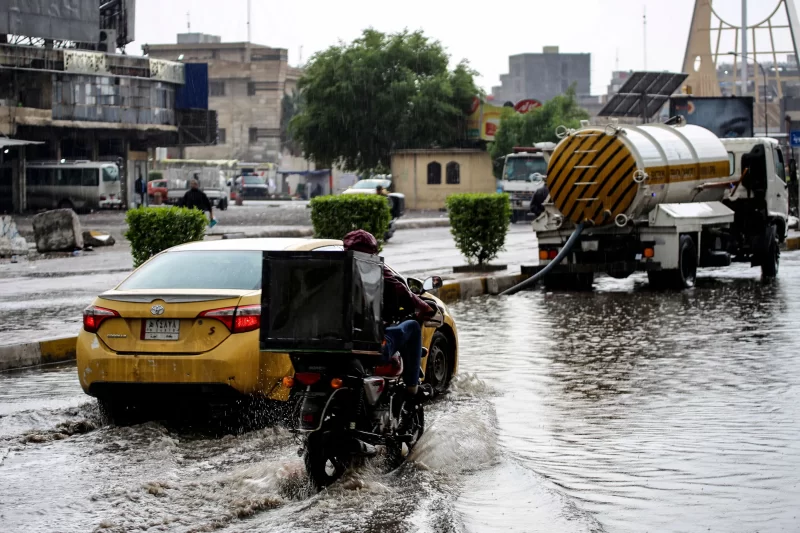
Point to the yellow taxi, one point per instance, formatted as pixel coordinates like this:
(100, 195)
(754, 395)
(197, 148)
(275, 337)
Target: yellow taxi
(187, 322)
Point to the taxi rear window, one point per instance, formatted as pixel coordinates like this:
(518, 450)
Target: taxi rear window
(207, 269)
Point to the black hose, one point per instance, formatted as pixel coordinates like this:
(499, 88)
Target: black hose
(543, 272)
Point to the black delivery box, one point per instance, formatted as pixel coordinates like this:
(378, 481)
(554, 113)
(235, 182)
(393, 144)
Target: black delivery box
(321, 301)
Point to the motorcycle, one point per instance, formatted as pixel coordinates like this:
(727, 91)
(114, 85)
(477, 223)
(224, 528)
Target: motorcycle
(347, 408)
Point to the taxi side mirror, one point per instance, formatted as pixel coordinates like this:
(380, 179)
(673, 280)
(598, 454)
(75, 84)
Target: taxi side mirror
(433, 282)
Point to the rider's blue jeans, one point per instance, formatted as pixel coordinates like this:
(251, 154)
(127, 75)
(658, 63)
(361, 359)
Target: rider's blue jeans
(405, 338)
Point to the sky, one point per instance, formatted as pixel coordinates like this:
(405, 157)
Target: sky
(484, 33)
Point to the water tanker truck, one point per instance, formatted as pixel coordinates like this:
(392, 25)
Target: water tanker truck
(663, 199)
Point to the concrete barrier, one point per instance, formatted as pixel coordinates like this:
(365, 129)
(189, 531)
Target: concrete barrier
(37, 353)
(462, 289)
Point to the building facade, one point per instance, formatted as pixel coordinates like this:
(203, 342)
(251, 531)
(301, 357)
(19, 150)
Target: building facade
(246, 84)
(544, 76)
(83, 105)
(428, 177)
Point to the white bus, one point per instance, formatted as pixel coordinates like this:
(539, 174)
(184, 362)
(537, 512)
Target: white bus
(78, 185)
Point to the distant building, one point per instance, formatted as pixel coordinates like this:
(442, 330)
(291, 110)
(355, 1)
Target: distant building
(544, 76)
(246, 83)
(428, 177)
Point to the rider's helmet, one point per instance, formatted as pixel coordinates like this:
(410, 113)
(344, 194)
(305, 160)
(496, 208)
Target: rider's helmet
(361, 241)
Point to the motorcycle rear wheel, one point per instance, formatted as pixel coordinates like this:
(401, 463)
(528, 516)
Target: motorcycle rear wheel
(325, 459)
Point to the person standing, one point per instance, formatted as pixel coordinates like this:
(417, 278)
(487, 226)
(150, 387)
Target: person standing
(380, 191)
(140, 188)
(197, 199)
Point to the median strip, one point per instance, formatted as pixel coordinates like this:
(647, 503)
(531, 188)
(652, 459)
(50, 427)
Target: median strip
(37, 353)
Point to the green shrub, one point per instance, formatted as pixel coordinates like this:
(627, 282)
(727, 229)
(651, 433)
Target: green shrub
(153, 229)
(155, 175)
(334, 217)
(479, 223)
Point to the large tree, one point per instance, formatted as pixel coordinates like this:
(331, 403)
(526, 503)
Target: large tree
(290, 106)
(381, 93)
(538, 125)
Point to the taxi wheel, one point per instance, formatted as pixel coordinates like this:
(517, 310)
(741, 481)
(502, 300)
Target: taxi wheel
(437, 368)
(117, 411)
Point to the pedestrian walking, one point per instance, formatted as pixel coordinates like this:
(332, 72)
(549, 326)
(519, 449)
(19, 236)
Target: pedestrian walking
(197, 199)
(140, 188)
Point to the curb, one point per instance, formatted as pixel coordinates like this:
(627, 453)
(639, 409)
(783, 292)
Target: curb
(470, 287)
(423, 223)
(37, 353)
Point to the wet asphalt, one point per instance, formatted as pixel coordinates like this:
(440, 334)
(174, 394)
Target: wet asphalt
(619, 410)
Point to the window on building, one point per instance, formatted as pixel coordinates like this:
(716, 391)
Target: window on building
(434, 173)
(253, 135)
(220, 135)
(216, 88)
(453, 176)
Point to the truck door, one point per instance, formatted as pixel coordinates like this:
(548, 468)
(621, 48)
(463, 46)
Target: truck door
(778, 196)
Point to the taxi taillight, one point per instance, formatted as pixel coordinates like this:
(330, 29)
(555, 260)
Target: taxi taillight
(237, 319)
(93, 316)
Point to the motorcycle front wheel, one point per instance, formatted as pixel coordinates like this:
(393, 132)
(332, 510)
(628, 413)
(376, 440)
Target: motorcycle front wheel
(412, 424)
(325, 459)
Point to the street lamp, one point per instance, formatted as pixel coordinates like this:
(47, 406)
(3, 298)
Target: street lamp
(763, 75)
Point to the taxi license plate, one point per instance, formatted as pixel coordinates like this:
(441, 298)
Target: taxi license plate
(162, 329)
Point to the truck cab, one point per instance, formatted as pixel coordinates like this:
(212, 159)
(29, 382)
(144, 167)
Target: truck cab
(524, 171)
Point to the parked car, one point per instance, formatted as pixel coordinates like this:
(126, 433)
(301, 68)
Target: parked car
(368, 186)
(215, 188)
(157, 186)
(253, 187)
(186, 324)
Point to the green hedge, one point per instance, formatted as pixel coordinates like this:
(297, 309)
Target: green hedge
(479, 223)
(155, 175)
(153, 229)
(334, 217)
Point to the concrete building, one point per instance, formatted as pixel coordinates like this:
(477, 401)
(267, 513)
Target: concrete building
(543, 76)
(428, 177)
(246, 85)
(82, 105)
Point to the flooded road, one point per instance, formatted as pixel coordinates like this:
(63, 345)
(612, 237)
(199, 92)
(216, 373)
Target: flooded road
(621, 410)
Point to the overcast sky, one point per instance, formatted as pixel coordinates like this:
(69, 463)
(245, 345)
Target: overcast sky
(486, 34)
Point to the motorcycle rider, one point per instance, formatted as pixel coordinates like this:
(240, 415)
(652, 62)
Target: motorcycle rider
(405, 337)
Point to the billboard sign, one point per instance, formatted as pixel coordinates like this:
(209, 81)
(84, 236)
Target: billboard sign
(69, 20)
(724, 116)
(523, 106)
(484, 117)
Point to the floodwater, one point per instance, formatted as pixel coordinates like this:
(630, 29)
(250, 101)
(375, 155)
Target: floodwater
(621, 410)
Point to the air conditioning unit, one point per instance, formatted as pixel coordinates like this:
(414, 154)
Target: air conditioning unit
(108, 41)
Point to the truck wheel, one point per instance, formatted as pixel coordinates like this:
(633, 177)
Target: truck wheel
(772, 253)
(223, 204)
(682, 277)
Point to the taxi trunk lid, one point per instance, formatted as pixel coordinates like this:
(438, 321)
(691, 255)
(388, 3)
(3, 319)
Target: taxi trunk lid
(164, 321)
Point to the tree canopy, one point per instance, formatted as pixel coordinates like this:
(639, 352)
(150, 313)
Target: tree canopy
(538, 125)
(381, 93)
(290, 106)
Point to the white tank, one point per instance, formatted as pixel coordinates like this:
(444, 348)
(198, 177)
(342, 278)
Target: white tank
(598, 174)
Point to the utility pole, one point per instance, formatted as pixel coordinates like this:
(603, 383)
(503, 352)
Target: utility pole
(644, 35)
(248, 21)
(744, 48)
